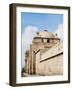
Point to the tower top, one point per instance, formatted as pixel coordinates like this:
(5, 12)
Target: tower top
(46, 34)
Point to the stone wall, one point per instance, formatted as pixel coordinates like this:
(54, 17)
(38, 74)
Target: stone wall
(45, 42)
(51, 61)
(53, 66)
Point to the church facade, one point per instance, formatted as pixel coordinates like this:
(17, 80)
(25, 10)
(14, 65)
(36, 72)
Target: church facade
(45, 56)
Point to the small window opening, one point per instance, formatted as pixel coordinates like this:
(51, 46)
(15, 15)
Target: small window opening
(48, 40)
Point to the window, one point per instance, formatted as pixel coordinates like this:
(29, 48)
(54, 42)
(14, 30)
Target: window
(48, 40)
(42, 39)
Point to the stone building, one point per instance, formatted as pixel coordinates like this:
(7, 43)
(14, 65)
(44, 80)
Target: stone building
(45, 56)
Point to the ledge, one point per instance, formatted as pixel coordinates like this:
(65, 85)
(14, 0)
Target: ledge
(52, 57)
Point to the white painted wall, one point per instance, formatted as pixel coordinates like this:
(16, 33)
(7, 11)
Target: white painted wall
(4, 45)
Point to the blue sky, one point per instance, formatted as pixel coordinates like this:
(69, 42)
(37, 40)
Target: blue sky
(41, 20)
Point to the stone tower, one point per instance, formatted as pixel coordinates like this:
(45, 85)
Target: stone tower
(43, 40)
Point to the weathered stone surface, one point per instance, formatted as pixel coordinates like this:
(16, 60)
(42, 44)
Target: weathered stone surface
(45, 55)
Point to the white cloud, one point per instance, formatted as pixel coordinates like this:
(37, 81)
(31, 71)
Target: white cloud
(59, 31)
(27, 37)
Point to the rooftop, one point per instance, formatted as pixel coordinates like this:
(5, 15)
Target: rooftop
(46, 34)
